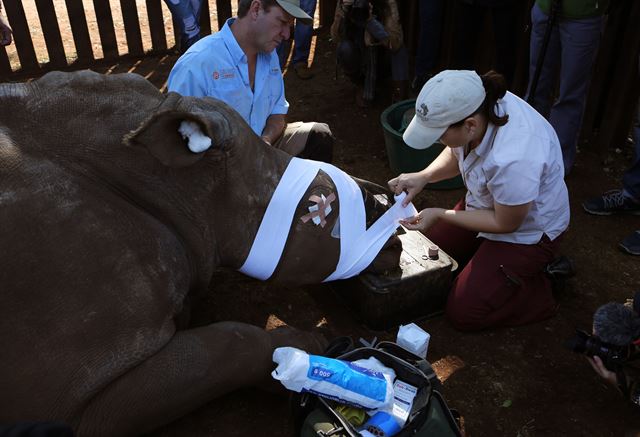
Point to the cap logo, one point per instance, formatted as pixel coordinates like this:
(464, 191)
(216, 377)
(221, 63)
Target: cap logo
(422, 112)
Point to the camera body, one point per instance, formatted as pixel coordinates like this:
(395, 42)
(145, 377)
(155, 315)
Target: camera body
(613, 356)
(358, 12)
(361, 4)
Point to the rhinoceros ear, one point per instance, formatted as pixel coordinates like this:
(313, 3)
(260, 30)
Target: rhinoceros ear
(164, 136)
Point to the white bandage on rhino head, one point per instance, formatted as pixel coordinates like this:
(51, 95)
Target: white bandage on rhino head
(197, 141)
(358, 245)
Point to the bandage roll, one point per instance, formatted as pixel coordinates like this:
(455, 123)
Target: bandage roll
(341, 381)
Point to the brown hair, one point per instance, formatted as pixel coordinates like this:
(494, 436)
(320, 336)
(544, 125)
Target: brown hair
(243, 6)
(496, 87)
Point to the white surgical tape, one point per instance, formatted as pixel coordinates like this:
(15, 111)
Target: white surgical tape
(358, 246)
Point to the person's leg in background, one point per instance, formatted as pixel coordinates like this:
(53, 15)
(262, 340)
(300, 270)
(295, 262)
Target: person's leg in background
(631, 188)
(399, 74)
(308, 140)
(579, 45)
(302, 42)
(503, 285)
(625, 200)
(541, 100)
(187, 14)
(631, 178)
(428, 41)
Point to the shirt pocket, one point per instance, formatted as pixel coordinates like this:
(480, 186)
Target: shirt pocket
(275, 87)
(227, 90)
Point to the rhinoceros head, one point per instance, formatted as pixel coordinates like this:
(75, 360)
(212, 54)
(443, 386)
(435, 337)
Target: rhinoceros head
(119, 132)
(247, 172)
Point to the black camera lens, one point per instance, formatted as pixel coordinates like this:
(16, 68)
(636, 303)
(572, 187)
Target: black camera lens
(612, 356)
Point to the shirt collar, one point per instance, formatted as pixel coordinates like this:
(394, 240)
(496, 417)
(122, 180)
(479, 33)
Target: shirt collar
(485, 144)
(230, 41)
(487, 139)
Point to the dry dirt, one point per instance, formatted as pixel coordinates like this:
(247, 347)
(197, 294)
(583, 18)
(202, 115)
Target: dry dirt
(517, 382)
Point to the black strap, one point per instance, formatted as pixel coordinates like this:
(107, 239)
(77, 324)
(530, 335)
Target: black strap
(553, 12)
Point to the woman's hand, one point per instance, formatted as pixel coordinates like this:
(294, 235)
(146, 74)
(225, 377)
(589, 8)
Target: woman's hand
(412, 183)
(424, 220)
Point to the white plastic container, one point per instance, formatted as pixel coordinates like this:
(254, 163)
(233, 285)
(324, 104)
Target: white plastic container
(414, 339)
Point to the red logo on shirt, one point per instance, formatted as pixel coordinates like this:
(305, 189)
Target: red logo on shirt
(216, 75)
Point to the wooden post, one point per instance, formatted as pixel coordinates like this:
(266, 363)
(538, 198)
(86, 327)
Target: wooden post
(51, 31)
(106, 29)
(223, 8)
(5, 65)
(132, 27)
(21, 36)
(622, 89)
(205, 20)
(156, 25)
(80, 31)
(327, 11)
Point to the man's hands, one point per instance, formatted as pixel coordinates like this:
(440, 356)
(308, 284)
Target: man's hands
(602, 371)
(266, 139)
(273, 129)
(412, 183)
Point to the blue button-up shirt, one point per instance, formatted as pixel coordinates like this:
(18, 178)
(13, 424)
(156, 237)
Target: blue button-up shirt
(217, 67)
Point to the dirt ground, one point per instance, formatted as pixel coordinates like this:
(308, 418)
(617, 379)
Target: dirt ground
(517, 382)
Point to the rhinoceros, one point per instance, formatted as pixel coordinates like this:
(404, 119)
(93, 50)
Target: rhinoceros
(109, 221)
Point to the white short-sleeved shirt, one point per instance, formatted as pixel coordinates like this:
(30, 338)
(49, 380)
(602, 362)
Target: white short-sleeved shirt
(217, 67)
(518, 163)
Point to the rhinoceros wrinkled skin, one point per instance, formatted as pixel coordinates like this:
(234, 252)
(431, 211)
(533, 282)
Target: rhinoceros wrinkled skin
(108, 223)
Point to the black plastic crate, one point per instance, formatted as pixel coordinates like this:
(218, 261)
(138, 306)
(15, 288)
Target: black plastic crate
(417, 289)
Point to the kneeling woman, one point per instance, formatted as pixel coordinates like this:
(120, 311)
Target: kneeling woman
(516, 208)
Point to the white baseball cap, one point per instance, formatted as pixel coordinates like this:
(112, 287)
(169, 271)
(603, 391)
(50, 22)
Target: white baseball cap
(293, 8)
(447, 98)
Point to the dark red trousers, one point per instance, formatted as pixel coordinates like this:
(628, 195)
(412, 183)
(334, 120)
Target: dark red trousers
(499, 284)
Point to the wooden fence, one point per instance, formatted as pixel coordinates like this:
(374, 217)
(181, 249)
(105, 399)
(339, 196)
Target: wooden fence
(144, 27)
(50, 13)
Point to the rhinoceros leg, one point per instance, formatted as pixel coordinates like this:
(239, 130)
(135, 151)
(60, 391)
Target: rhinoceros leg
(196, 366)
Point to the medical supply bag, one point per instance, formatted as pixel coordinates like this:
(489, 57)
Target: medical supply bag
(426, 414)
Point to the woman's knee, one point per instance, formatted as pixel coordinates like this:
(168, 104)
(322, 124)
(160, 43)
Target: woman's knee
(463, 318)
(464, 310)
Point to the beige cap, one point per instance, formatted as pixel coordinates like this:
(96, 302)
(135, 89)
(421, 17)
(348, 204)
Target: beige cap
(292, 7)
(447, 98)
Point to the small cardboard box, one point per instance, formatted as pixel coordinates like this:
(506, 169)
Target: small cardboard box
(417, 289)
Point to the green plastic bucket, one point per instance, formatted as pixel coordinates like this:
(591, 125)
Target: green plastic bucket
(404, 159)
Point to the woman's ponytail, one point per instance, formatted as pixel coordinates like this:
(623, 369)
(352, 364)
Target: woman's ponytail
(496, 87)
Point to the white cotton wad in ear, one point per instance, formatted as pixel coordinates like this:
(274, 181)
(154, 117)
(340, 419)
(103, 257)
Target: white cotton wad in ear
(190, 131)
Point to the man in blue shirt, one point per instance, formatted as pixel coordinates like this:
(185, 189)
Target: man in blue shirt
(239, 66)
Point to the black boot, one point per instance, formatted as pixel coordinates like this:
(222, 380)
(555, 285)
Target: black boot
(559, 270)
